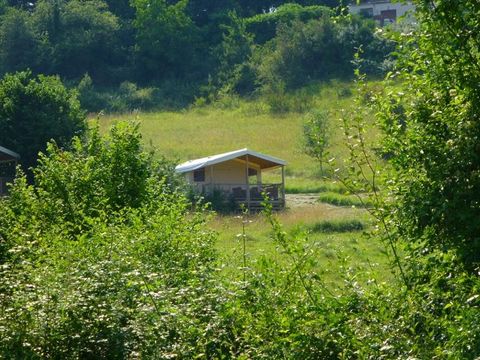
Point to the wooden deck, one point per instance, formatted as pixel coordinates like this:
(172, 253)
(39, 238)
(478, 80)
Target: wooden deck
(251, 196)
(257, 206)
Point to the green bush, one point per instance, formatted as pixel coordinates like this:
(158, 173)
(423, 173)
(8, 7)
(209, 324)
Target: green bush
(89, 98)
(135, 98)
(264, 26)
(337, 226)
(35, 110)
(317, 49)
(116, 291)
(314, 187)
(130, 97)
(281, 102)
(102, 258)
(220, 201)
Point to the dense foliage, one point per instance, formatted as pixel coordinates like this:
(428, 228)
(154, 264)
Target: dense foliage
(422, 177)
(102, 258)
(264, 26)
(432, 132)
(319, 49)
(34, 110)
(180, 50)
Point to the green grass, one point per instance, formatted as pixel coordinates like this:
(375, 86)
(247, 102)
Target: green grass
(343, 200)
(337, 226)
(234, 123)
(333, 232)
(303, 185)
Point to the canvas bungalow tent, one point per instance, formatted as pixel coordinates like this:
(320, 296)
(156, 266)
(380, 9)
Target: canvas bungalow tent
(238, 174)
(8, 162)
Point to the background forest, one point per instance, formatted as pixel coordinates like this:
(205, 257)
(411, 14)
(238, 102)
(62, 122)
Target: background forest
(124, 55)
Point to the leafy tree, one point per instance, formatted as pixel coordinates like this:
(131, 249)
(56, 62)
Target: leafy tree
(234, 72)
(3, 6)
(81, 36)
(301, 52)
(18, 42)
(432, 131)
(210, 18)
(316, 137)
(35, 110)
(166, 39)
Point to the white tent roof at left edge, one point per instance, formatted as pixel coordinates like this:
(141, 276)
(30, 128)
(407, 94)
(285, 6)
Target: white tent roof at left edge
(9, 152)
(219, 158)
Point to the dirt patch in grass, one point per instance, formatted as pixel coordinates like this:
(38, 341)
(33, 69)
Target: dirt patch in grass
(301, 200)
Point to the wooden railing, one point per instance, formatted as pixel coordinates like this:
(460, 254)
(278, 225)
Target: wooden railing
(251, 196)
(239, 191)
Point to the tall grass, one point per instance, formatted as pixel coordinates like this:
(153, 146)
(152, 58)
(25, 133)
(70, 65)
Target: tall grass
(334, 231)
(235, 123)
(337, 226)
(343, 200)
(336, 246)
(302, 185)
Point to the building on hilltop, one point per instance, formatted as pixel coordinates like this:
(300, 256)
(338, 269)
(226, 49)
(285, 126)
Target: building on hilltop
(384, 12)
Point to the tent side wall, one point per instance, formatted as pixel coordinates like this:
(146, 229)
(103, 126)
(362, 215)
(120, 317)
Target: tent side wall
(230, 172)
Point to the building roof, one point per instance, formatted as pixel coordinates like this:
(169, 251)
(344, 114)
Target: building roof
(264, 161)
(5, 154)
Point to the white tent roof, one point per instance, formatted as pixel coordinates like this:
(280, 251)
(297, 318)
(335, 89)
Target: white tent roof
(9, 152)
(265, 161)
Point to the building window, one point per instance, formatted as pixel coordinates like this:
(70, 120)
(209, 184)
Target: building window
(252, 172)
(199, 175)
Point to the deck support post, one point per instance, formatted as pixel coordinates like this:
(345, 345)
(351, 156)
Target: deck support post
(283, 185)
(247, 182)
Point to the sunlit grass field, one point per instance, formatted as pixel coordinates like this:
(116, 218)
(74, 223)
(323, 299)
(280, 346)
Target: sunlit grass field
(337, 252)
(234, 123)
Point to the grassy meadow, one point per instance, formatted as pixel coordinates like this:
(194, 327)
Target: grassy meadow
(329, 220)
(325, 229)
(234, 123)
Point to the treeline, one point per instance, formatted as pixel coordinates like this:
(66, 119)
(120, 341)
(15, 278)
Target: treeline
(129, 54)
